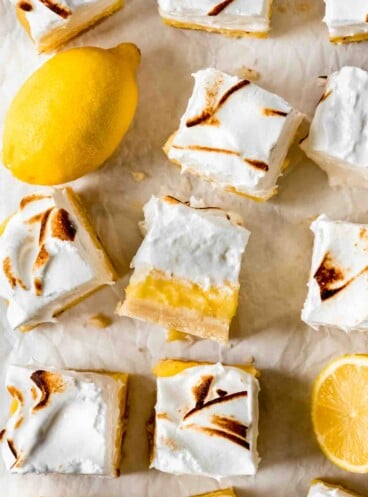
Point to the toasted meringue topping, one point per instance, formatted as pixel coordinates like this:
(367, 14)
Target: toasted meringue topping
(274, 113)
(8, 272)
(42, 258)
(234, 133)
(219, 7)
(337, 141)
(208, 113)
(58, 9)
(66, 423)
(48, 262)
(26, 6)
(32, 198)
(209, 253)
(50, 19)
(327, 275)
(202, 426)
(233, 15)
(61, 225)
(346, 19)
(338, 285)
(48, 384)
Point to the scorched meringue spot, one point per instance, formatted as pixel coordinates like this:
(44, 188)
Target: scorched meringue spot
(64, 421)
(187, 268)
(231, 17)
(322, 489)
(50, 23)
(206, 419)
(234, 134)
(337, 140)
(347, 20)
(50, 258)
(338, 284)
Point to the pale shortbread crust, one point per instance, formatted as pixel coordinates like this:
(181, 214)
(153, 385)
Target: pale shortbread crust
(185, 320)
(233, 33)
(349, 39)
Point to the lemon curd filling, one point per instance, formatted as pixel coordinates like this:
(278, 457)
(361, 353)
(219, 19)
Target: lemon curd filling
(216, 302)
(226, 492)
(172, 367)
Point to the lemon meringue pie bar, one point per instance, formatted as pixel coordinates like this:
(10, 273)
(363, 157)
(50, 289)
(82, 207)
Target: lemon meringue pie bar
(337, 140)
(50, 258)
(186, 269)
(231, 17)
(347, 21)
(206, 419)
(319, 488)
(50, 23)
(64, 421)
(338, 283)
(234, 134)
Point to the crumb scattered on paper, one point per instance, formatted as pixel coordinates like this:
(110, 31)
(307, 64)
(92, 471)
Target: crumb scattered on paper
(100, 321)
(303, 6)
(282, 7)
(248, 73)
(138, 176)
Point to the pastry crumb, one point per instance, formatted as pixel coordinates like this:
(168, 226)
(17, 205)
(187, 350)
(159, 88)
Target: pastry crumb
(248, 73)
(282, 8)
(138, 176)
(100, 321)
(303, 7)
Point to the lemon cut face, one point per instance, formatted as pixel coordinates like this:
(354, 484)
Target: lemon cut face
(71, 114)
(340, 412)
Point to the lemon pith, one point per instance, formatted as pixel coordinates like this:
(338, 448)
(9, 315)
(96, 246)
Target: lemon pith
(340, 412)
(71, 114)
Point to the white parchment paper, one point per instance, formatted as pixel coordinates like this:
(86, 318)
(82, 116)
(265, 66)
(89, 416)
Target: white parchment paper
(275, 269)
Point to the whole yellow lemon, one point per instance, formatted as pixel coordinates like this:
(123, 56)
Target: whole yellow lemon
(71, 114)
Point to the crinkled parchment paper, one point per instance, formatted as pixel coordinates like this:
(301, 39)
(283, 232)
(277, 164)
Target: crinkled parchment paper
(273, 279)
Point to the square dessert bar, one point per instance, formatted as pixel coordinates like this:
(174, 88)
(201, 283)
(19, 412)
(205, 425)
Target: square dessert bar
(234, 134)
(206, 419)
(231, 17)
(53, 22)
(226, 492)
(186, 271)
(347, 20)
(321, 489)
(337, 140)
(64, 421)
(338, 283)
(50, 258)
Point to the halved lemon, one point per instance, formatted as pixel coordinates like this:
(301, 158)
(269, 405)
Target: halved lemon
(340, 412)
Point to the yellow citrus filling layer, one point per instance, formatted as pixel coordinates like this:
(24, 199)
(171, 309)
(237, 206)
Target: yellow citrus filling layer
(171, 367)
(220, 303)
(226, 492)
